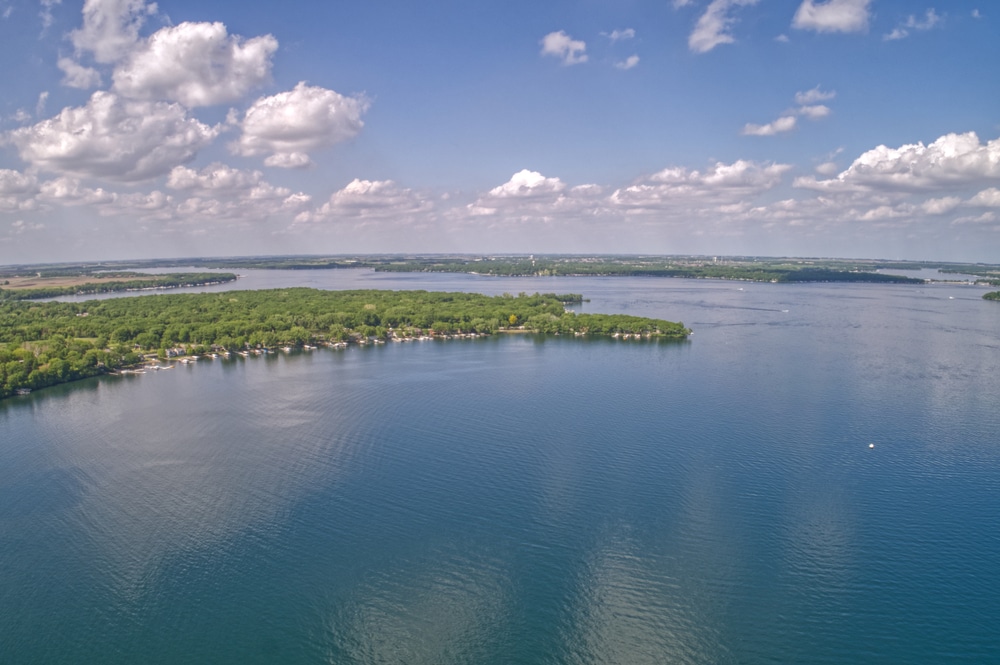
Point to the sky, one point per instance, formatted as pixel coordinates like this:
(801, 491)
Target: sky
(821, 128)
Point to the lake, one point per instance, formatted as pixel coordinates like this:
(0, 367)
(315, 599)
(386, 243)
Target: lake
(525, 499)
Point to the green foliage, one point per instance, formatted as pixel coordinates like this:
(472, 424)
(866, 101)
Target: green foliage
(43, 344)
(992, 295)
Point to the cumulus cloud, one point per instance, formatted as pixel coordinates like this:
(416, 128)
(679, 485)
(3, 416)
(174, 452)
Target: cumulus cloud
(15, 182)
(214, 177)
(526, 184)
(196, 64)
(16, 190)
(901, 31)
(815, 112)
(940, 206)
(953, 160)
(76, 75)
(70, 192)
(529, 194)
(289, 125)
(783, 124)
(713, 27)
(787, 122)
(988, 198)
(562, 46)
(368, 199)
(833, 15)
(110, 27)
(113, 138)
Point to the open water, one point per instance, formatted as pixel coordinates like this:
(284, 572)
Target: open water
(529, 500)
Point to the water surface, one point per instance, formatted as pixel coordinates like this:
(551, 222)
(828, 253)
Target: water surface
(526, 499)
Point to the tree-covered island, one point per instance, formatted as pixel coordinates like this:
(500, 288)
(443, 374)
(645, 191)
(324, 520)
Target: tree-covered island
(43, 344)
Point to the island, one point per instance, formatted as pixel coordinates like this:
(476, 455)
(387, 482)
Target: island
(47, 343)
(992, 295)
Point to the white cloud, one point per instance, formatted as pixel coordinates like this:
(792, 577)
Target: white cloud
(988, 198)
(110, 27)
(289, 125)
(783, 124)
(16, 190)
(196, 64)
(931, 18)
(562, 46)
(813, 96)
(700, 191)
(114, 139)
(214, 177)
(940, 206)
(988, 217)
(15, 182)
(531, 195)
(526, 184)
(827, 168)
(368, 199)
(141, 202)
(815, 112)
(833, 16)
(628, 63)
(953, 160)
(787, 122)
(40, 104)
(713, 27)
(618, 35)
(70, 192)
(76, 75)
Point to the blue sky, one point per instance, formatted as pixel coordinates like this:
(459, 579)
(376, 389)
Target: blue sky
(852, 128)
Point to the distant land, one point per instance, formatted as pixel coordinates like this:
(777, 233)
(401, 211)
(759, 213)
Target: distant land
(746, 268)
(53, 280)
(55, 283)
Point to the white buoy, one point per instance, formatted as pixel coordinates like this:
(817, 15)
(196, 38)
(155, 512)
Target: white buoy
(871, 445)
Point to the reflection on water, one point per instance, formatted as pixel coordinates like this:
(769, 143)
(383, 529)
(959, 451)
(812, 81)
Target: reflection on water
(524, 499)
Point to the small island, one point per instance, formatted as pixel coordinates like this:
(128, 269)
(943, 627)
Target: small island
(44, 344)
(992, 295)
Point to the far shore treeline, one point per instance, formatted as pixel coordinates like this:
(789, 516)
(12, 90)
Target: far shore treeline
(111, 283)
(43, 344)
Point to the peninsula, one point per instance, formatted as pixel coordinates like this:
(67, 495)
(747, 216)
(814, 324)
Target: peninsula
(43, 344)
(56, 283)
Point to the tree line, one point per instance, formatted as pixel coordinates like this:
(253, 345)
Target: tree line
(138, 282)
(43, 344)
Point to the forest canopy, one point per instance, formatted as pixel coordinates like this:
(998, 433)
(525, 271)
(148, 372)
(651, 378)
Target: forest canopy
(43, 344)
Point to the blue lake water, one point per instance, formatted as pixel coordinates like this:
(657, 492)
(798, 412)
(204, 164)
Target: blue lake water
(521, 499)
